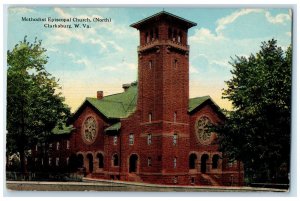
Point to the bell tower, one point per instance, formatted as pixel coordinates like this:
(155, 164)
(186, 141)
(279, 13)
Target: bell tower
(163, 95)
(163, 68)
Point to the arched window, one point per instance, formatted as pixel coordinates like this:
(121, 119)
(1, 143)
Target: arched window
(179, 37)
(68, 144)
(175, 179)
(170, 33)
(175, 162)
(147, 37)
(175, 138)
(151, 35)
(57, 161)
(192, 161)
(100, 160)
(149, 162)
(131, 139)
(115, 140)
(175, 116)
(215, 161)
(150, 64)
(150, 117)
(115, 159)
(174, 35)
(175, 63)
(149, 139)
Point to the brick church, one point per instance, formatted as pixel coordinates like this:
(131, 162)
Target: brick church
(151, 132)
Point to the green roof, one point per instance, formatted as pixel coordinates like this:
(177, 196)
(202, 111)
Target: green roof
(195, 102)
(123, 104)
(119, 105)
(114, 127)
(61, 130)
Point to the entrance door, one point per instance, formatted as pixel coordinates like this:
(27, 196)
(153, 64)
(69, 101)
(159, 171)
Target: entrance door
(133, 162)
(79, 161)
(192, 161)
(204, 159)
(91, 162)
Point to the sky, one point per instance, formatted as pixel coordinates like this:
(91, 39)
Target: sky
(104, 56)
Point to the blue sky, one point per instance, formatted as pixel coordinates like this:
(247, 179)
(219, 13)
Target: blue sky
(105, 56)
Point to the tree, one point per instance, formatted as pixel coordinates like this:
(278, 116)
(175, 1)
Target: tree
(34, 106)
(258, 130)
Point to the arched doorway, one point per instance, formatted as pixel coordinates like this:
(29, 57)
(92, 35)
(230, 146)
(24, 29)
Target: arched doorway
(215, 161)
(204, 159)
(79, 161)
(192, 161)
(91, 162)
(100, 160)
(133, 163)
(115, 160)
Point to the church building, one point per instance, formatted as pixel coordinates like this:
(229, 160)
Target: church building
(152, 132)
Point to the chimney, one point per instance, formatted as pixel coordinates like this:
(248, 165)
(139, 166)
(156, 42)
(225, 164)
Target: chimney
(125, 86)
(99, 95)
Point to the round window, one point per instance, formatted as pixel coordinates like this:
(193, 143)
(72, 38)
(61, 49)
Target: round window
(202, 130)
(89, 133)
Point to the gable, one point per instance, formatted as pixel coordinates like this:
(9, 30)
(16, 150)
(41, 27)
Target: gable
(200, 102)
(195, 102)
(114, 106)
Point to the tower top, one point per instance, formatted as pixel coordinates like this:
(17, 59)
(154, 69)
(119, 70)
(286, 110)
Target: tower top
(163, 15)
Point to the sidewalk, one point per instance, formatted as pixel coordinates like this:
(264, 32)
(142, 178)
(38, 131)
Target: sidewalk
(89, 184)
(210, 188)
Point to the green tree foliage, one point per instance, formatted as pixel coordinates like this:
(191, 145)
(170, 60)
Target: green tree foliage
(258, 130)
(34, 105)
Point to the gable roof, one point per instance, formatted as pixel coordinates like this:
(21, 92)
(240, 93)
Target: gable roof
(114, 106)
(188, 23)
(123, 104)
(195, 102)
(62, 130)
(114, 127)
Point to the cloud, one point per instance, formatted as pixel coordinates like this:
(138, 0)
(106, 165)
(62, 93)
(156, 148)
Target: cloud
(193, 69)
(52, 49)
(223, 63)
(223, 22)
(98, 41)
(20, 10)
(278, 19)
(71, 55)
(130, 66)
(119, 67)
(204, 35)
(108, 68)
(116, 47)
(229, 19)
(62, 13)
(85, 61)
